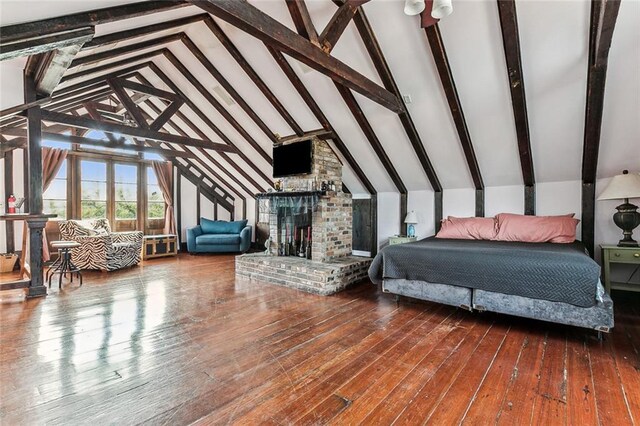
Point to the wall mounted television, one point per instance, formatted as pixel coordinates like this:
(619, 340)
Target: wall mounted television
(292, 159)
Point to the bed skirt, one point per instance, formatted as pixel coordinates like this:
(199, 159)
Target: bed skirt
(597, 317)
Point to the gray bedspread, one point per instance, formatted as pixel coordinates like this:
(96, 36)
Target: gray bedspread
(554, 272)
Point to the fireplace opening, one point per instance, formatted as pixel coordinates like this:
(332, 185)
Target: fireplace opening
(294, 233)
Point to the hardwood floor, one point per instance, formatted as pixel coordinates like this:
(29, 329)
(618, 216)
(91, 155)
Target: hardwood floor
(178, 341)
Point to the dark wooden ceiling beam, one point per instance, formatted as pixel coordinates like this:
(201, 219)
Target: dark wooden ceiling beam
(302, 20)
(337, 25)
(384, 71)
(511, 43)
(100, 79)
(128, 61)
(87, 123)
(197, 53)
(44, 43)
(322, 119)
(127, 102)
(370, 134)
(177, 128)
(197, 182)
(603, 19)
(439, 54)
(258, 24)
(132, 33)
(217, 105)
(124, 50)
(205, 118)
(74, 21)
(252, 74)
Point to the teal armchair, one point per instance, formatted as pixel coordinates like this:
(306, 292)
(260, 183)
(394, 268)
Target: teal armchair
(218, 236)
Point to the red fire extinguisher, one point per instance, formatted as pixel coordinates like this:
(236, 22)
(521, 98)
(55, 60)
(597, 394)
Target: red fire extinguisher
(11, 203)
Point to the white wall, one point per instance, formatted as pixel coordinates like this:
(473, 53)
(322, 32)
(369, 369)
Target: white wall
(187, 207)
(422, 202)
(388, 216)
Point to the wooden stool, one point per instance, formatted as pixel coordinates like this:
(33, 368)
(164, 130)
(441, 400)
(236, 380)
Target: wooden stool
(63, 264)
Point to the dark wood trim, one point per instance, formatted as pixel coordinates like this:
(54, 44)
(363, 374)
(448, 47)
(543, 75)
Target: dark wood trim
(44, 42)
(317, 112)
(439, 54)
(530, 200)
(322, 134)
(260, 25)
(178, 206)
(142, 31)
(374, 224)
(511, 43)
(302, 20)
(8, 190)
(100, 80)
(165, 115)
(25, 180)
(403, 213)
(84, 19)
(252, 74)
(88, 123)
(438, 195)
(198, 201)
(604, 14)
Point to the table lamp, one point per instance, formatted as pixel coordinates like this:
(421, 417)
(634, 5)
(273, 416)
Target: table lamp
(623, 187)
(411, 219)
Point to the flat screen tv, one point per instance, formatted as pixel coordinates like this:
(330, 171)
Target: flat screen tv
(292, 159)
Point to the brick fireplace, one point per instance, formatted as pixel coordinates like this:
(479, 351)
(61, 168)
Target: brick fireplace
(303, 218)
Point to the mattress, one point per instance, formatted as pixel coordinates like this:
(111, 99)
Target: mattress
(553, 272)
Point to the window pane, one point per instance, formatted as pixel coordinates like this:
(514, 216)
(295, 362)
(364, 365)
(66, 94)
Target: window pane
(94, 170)
(154, 193)
(155, 210)
(94, 191)
(126, 192)
(126, 210)
(94, 209)
(57, 207)
(57, 190)
(152, 179)
(126, 173)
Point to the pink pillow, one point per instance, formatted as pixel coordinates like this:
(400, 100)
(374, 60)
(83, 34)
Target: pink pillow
(468, 228)
(536, 229)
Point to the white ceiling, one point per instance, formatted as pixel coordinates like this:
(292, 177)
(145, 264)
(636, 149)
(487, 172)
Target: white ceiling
(554, 43)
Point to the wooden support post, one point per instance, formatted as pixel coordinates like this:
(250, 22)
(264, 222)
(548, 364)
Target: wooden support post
(8, 190)
(34, 173)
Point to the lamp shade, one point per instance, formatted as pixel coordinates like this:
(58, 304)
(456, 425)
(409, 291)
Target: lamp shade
(413, 7)
(441, 9)
(411, 217)
(626, 185)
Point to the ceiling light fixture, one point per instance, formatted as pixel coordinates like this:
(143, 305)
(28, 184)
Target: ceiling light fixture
(413, 7)
(441, 9)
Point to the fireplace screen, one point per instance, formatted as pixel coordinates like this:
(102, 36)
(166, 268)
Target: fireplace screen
(290, 222)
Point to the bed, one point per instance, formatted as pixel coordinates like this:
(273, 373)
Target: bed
(552, 282)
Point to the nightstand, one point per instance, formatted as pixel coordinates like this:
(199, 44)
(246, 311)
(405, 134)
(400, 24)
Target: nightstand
(615, 254)
(400, 239)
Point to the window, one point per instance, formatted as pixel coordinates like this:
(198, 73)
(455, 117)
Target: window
(93, 189)
(55, 197)
(126, 191)
(155, 200)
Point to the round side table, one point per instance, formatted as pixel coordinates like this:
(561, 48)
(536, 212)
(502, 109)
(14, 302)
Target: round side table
(63, 265)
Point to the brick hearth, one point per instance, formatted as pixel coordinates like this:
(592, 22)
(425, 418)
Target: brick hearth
(323, 278)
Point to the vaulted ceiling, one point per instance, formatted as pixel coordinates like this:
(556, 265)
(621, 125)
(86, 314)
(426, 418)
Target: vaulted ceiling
(554, 49)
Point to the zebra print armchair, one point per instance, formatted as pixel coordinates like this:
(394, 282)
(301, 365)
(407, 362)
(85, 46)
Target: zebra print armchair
(99, 247)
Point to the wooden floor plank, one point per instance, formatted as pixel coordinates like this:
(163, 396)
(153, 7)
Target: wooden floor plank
(140, 346)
